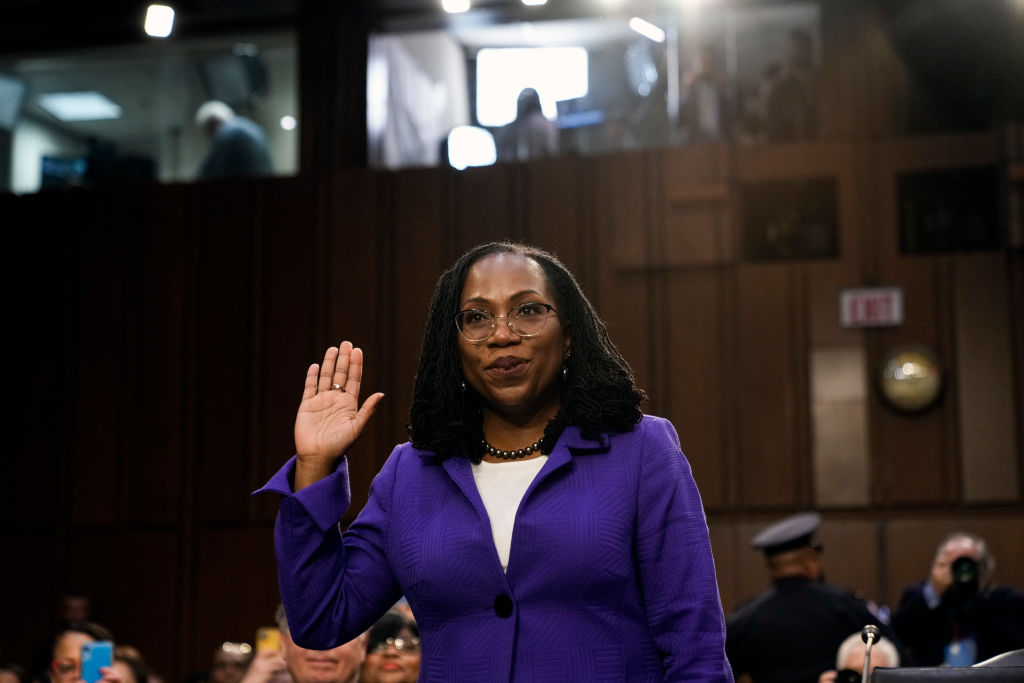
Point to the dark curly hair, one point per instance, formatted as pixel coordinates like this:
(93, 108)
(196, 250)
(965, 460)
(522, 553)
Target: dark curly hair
(599, 394)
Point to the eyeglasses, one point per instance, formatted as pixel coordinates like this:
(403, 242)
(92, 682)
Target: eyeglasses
(525, 320)
(409, 645)
(65, 667)
(236, 648)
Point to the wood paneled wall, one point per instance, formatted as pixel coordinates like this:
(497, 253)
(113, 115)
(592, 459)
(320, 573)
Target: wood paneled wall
(158, 337)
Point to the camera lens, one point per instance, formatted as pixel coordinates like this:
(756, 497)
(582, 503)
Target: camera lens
(965, 581)
(965, 570)
(848, 676)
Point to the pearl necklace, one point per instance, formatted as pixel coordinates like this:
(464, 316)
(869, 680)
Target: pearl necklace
(512, 455)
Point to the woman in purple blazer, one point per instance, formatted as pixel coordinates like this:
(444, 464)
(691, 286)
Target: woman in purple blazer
(541, 527)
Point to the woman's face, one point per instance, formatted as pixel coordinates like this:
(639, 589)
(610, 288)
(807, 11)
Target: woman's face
(67, 657)
(388, 664)
(516, 377)
(228, 666)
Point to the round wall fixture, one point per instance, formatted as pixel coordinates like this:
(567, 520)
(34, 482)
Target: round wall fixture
(910, 379)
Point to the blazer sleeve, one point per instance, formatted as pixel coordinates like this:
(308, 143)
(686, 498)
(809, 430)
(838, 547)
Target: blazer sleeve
(676, 568)
(333, 585)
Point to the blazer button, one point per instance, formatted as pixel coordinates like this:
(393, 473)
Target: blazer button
(503, 606)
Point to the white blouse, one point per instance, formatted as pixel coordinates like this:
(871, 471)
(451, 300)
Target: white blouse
(502, 486)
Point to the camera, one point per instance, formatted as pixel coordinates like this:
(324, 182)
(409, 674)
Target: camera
(848, 676)
(966, 579)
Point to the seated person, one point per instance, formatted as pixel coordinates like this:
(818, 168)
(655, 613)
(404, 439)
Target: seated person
(850, 659)
(393, 651)
(66, 665)
(293, 663)
(230, 661)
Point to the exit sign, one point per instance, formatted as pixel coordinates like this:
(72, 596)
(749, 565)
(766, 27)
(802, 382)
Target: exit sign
(871, 307)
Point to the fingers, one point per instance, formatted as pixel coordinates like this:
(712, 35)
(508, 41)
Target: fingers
(309, 389)
(368, 408)
(343, 366)
(327, 369)
(355, 372)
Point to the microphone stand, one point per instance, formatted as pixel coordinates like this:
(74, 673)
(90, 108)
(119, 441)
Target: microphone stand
(869, 635)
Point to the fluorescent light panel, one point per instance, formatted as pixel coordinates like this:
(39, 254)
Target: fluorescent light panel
(79, 106)
(159, 21)
(455, 6)
(647, 29)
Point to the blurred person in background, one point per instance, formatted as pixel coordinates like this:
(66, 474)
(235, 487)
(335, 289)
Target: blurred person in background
(850, 659)
(66, 663)
(793, 93)
(230, 661)
(393, 651)
(238, 146)
(337, 665)
(293, 663)
(531, 135)
(12, 673)
(792, 631)
(129, 665)
(957, 616)
(131, 656)
(703, 114)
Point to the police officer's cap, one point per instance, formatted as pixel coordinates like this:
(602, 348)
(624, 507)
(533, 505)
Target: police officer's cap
(796, 531)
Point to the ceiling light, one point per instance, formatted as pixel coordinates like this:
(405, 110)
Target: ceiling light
(647, 29)
(288, 122)
(159, 21)
(455, 6)
(534, 3)
(79, 106)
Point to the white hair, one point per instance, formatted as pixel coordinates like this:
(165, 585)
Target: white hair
(986, 561)
(213, 110)
(883, 646)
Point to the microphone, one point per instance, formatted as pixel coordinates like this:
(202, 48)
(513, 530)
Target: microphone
(869, 634)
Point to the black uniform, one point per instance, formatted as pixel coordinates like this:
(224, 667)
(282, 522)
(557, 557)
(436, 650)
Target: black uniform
(790, 634)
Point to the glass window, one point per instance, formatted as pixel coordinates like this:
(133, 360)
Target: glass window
(589, 85)
(129, 114)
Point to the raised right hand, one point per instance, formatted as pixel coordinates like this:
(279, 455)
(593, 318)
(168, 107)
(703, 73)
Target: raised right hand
(330, 419)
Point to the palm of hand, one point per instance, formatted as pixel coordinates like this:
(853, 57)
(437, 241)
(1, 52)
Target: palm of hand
(326, 424)
(330, 418)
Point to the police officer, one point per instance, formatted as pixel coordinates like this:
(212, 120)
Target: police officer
(790, 633)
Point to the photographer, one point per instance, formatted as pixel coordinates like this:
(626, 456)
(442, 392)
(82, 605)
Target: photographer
(957, 617)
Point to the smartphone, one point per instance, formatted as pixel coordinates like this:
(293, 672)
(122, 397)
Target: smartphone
(268, 638)
(94, 655)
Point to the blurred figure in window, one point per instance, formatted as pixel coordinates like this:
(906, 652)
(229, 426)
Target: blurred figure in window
(531, 135)
(703, 115)
(791, 107)
(238, 146)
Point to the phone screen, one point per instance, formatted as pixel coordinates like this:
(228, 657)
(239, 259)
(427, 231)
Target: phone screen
(94, 655)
